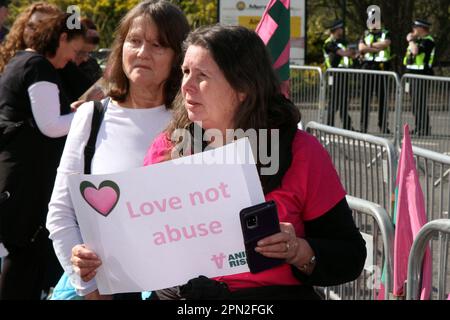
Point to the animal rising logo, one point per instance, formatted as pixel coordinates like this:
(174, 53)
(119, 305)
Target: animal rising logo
(73, 21)
(374, 18)
(234, 259)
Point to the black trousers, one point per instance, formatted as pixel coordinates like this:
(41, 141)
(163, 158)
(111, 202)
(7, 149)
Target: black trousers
(370, 84)
(29, 271)
(339, 101)
(420, 108)
(202, 288)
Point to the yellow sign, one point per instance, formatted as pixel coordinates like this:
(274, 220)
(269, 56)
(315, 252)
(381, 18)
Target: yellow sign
(251, 22)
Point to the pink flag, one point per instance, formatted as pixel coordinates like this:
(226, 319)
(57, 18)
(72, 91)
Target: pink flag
(274, 29)
(411, 216)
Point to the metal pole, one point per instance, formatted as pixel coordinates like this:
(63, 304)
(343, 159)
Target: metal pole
(344, 7)
(218, 11)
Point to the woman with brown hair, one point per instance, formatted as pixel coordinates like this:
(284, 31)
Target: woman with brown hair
(229, 85)
(25, 23)
(143, 77)
(34, 119)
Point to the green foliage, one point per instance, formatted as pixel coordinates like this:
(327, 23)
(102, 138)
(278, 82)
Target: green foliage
(199, 12)
(107, 13)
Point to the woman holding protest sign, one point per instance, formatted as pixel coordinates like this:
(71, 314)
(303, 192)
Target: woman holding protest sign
(144, 76)
(228, 83)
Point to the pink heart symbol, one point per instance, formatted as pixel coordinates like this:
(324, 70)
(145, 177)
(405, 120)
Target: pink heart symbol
(104, 199)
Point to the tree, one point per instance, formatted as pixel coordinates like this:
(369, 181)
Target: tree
(107, 13)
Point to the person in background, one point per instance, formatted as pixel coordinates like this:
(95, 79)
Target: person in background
(35, 116)
(3, 16)
(229, 83)
(79, 75)
(84, 60)
(144, 77)
(337, 55)
(419, 60)
(24, 26)
(375, 48)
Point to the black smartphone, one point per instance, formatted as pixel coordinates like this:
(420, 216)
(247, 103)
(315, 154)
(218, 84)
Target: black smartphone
(258, 222)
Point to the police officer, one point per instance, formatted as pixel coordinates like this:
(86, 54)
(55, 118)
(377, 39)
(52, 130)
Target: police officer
(337, 55)
(375, 51)
(419, 59)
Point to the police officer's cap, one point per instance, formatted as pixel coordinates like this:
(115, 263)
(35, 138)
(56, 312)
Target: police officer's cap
(421, 23)
(336, 25)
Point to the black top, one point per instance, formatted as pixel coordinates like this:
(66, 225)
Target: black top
(28, 159)
(25, 69)
(331, 48)
(91, 69)
(76, 80)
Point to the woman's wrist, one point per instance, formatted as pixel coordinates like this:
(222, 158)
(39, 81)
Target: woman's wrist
(304, 259)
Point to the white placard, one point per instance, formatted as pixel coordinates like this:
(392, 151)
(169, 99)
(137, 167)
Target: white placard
(161, 225)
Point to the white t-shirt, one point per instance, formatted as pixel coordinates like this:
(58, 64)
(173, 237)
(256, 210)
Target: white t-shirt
(122, 142)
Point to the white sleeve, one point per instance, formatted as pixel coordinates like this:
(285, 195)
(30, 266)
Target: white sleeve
(45, 106)
(61, 219)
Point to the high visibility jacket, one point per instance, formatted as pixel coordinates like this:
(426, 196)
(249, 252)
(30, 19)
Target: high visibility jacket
(344, 62)
(421, 61)
(372, 37)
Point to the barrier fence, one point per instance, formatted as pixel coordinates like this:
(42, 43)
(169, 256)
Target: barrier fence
(365, 163)
(305, 90)
(441, 272)
(377, 230)
(361, 100)
(434, 173)
(425, 105)
(367, 166)
(376, 102)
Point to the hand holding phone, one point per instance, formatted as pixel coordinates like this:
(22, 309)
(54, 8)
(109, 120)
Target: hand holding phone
(258, 222)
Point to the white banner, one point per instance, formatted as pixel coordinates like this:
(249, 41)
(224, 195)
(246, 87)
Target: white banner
(161, 225)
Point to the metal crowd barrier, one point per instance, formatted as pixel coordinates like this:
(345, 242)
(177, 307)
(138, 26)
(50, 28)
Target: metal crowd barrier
(306, 90)
(441, 272)
(434, 173)
(378, 232)
(376, 102)
(365, 163)
(361, 100)
(425, 105)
